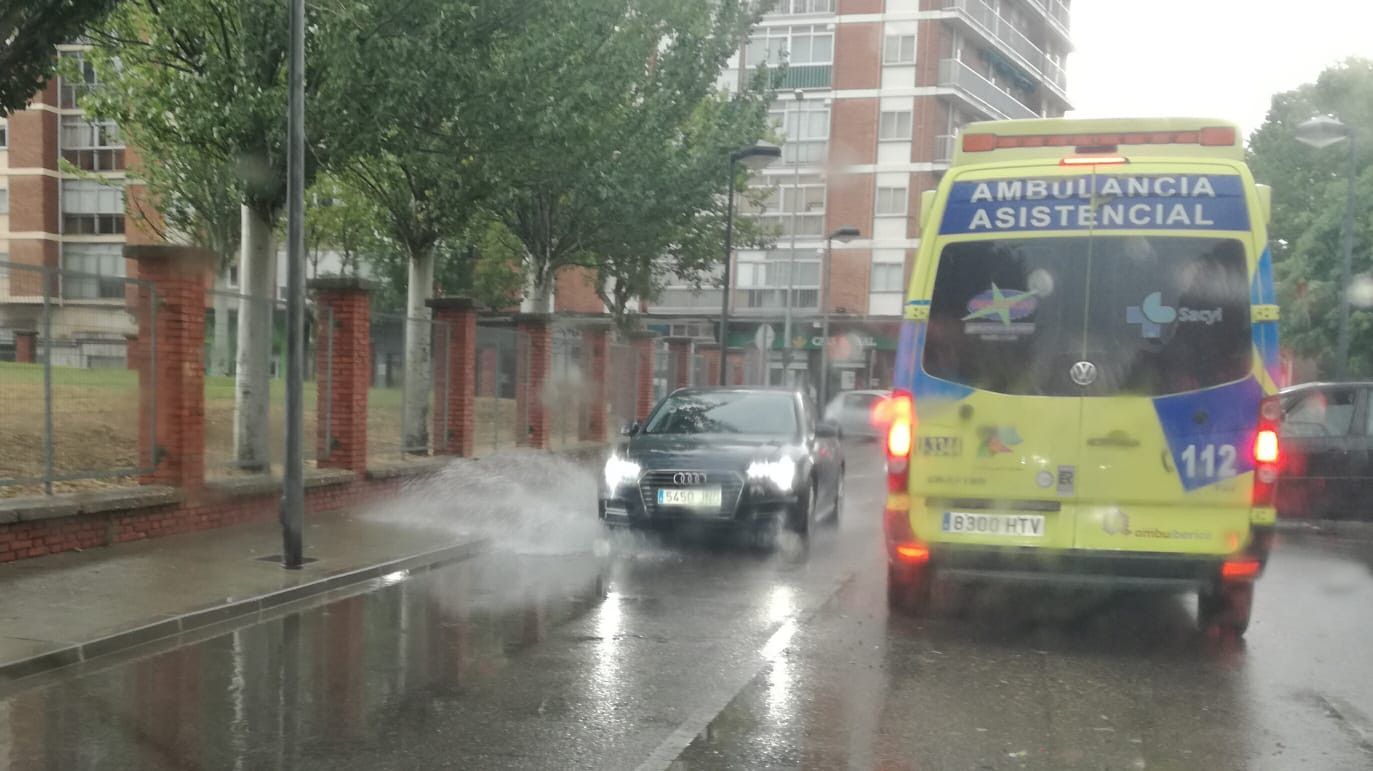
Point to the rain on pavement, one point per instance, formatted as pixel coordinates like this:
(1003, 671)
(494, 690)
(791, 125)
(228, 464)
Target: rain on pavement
(686, 655)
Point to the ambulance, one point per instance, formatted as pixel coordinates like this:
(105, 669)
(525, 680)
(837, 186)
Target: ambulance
(1084, 387)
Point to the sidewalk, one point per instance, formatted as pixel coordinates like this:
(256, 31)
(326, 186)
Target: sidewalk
(74, 606)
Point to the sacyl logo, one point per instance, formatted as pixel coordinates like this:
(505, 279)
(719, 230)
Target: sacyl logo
(1152, 316)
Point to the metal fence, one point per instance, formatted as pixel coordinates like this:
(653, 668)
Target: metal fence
(623, 385)
(407, 396)
(499, 349)
(244, 436)
(565, 395)
(76, 388)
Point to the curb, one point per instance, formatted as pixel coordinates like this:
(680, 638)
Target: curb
(197, 619)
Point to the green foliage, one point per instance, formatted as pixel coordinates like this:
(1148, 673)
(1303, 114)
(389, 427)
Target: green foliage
(202, 84)
(623, 139)
(30, 31)
(1309, 189)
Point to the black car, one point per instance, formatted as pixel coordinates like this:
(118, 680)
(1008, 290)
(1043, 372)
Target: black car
(747, 458)
(1327, 448)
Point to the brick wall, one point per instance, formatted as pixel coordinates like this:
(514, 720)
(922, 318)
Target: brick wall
(204, 512)
(33, 203)
(849, 280)
(858, 55)
(575, 292)
(853, 132)
(860, 6)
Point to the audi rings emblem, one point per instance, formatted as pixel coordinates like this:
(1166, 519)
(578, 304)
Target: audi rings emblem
(689, 478)
(1083, 373)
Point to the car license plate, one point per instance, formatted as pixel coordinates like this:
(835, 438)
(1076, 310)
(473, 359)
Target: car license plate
(1031, 525)
(691, 497)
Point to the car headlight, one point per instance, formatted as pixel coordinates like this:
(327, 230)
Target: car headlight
(620, 470)
(781, 473)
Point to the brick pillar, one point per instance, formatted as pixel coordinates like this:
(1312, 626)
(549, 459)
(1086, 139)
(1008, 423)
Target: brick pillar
(175, 368)
(455, 331)
(596, 370)
(679, 348)
(26, 347)
(532, 365)
(343, 371)
(737, 364)
(131, 358)
(711, 352)
(641, 342)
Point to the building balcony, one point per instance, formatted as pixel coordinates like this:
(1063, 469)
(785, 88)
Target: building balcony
(1058, 16)
(1056, 78)
(943, 148)
(687, 300)
(979, 93)
(802, 76)
(771, 301)
(980, 19)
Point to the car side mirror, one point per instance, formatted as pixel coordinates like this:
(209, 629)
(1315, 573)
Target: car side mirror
(629, 429)
(827, 430)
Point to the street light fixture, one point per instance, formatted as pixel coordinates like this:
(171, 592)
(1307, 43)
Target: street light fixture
(843, 235)
(1320, 132)
(755, 157)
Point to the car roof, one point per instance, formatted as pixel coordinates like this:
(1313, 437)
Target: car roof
(1325, 386)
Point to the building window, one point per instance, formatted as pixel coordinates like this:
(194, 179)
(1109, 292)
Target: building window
(895, 125)
(791, 206)
(804, 6)
(4, 200)
(887, 276)
(73, 89)
(91, 145)
(762, 283)
(899, 49)
(93, 271)
(796, 46)
(4, 136)
(91, 208)
(806, 130)
(891, 201)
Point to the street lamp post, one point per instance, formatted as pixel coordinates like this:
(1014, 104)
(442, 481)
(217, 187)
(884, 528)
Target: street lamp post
(1319, 132)
(754, 157)
(791, 260)
(843, 235)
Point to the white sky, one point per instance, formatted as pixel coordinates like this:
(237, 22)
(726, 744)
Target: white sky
(1206, 58)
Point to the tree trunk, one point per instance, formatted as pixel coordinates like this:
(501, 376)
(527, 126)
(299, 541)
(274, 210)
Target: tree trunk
(257, 280)
(418, 353)
(538, 292)
(221, 350)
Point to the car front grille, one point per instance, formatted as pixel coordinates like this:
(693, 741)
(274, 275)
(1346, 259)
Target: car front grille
(731, 488)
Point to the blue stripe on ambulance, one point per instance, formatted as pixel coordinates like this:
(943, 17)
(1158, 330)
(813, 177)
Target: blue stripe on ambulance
(910, 376)
(1265, 333)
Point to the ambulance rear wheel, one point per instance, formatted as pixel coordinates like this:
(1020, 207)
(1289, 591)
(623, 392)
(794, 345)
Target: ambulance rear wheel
(908, 589)
(1226, 608)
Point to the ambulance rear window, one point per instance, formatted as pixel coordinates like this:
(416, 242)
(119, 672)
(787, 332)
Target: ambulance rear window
(1155, 314)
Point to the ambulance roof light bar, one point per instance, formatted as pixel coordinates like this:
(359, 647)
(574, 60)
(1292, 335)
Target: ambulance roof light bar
(1210, 136)
(1093, 160)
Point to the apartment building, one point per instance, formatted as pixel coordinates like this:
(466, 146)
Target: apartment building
(870, 97)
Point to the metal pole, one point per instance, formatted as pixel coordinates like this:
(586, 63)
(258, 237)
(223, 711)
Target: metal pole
(725, 291)
(791, 260)
(825, 326)
(47, 381)
(293, 483)
(1347, 236)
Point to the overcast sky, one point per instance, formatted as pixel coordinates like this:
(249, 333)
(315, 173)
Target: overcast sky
(1210, 58)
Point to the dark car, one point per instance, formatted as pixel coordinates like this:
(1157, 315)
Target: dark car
(745, 458)
(1327, 445)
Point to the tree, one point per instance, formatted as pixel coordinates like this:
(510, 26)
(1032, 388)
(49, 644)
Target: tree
(1309, 188)
(416, 118)
(620, 152)
(30, 32)
(202, 83)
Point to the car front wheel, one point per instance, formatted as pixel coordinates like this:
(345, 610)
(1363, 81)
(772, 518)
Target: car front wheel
(803, 514)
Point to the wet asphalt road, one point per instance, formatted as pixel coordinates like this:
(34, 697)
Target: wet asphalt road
(690, 655)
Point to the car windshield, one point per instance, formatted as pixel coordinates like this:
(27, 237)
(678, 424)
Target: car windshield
(769, 413)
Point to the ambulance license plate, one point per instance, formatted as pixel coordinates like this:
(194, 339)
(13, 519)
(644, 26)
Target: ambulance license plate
(1031, 525)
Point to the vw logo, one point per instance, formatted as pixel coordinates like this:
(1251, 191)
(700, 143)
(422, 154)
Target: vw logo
(1083, 373)
(689, 478)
